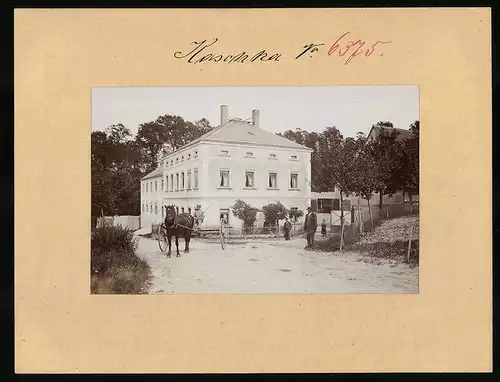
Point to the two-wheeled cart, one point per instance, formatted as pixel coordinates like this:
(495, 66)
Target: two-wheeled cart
(221, 231)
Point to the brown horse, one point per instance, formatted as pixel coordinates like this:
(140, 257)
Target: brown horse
(178, 225)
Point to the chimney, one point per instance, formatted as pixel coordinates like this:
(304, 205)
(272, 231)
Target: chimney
(224, 116)
(255, 118)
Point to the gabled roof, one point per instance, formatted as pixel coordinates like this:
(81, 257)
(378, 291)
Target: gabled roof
(403, 134)
(157, 173)
(241, 132)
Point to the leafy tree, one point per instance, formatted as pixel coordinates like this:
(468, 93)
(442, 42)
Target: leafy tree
(385, 152)
(274, 212)
(245, 212)
(409, 162)
(166, 134)
(295, 214)
(365, 180)
(337, 165)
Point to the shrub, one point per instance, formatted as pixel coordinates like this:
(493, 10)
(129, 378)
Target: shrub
(273, 212)
(111, 246)
(294, 215)
(115, 268)
(245, 212)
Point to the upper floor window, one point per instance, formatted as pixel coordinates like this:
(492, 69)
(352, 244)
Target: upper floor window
(273, 180)
(293, 157)
(171, 182)
(224, 178)
(189, 179)
(196, 153)
(189, 156)
(177, 182)
(249, 154)
(195, 178)
(294, 180)
(272, 156)
(176, 160)
(224, 152)
(182, 180)
(249, 178)
(156, 185)
(182, 158)
(162, 184)
(147, 187)
(172, 162)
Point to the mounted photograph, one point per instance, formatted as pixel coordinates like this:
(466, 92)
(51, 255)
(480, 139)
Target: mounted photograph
(255, 190)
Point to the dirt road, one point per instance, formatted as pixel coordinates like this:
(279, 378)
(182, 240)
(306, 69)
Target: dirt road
(271, 268)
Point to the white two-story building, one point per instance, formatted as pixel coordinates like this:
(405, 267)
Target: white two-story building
(236, 160)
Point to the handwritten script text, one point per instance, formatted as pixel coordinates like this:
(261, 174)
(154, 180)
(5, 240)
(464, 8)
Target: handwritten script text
(343, 47)
(201, 53)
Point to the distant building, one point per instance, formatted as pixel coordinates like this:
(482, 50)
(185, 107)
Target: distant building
(376, 130)
(236, 160)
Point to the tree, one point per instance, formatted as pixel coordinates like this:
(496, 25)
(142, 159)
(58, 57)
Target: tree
(409, 162)
(274, 212)
(337, 165)
(385, 152)
(365, 180)
(295, 214)
(245, 212)
(166, 134)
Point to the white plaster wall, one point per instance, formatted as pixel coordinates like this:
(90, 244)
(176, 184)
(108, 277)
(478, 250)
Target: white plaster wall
(151, 197)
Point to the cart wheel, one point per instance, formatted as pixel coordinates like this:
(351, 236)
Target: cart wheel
(223, 234)
(161, 237)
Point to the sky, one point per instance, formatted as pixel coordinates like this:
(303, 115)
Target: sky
(350, 108)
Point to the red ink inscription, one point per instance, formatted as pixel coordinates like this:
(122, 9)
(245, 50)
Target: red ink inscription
(352, 49)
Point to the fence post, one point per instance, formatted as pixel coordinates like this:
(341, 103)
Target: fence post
(409, 245)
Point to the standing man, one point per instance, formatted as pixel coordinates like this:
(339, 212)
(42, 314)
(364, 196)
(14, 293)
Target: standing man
(310, 226)
(287, 227)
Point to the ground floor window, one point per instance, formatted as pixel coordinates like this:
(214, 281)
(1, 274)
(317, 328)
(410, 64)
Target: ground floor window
(189, 210)
(224, 214)
(182, 210)
(325, 206)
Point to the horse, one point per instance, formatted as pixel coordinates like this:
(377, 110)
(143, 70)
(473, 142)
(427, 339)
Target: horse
(178, 225)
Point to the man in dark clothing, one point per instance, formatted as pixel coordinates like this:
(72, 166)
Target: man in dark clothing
(287, 227)
(310, 226)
